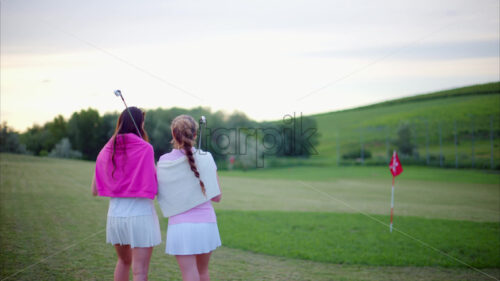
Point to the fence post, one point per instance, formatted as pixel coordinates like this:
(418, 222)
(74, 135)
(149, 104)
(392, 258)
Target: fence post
(362, 146)
(427, 142)
(415, 140)
(338, 149)
(456, 142)
(472, 142)
(387, 153)
(440, 145)
(492, 163)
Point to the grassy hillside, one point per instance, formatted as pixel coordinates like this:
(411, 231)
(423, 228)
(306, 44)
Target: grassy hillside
(468, 112)
(479, 89)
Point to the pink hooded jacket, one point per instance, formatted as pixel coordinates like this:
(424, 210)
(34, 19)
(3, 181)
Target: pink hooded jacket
(134, 173)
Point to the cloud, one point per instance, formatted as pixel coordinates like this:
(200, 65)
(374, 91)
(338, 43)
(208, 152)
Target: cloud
(31, 26)
(428, 51)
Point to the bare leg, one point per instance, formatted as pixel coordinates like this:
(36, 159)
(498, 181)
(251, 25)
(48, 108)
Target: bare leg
(122, 269)
(187, 264)
(140, 264)
(202, 264)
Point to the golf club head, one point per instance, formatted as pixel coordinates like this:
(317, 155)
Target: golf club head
(203, 120)
(118, 93)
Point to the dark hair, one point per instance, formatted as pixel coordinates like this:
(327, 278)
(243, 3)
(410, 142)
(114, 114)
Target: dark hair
(184, 132)
(124, 125)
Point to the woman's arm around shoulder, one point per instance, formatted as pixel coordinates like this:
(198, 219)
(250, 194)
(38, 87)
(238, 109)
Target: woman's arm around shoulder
(94, 187)
(218, 197)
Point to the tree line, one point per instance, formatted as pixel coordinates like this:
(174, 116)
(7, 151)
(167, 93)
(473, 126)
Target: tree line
(226, 135)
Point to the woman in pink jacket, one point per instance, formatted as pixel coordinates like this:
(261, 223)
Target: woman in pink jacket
(125, 172)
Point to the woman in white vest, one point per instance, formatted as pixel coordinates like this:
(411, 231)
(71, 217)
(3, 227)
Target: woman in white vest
(187, 183)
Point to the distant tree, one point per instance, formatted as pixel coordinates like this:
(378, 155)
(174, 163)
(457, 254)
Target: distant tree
(239, 120)
(356, 154)
(57, 130)
(63, 150)
(36, 139)
(9, 140)
(254, 150)
(84, 132)
(41, 139)
(108, 125)
(87, 132)
(299, 137)
(404, 140)
(157, 125)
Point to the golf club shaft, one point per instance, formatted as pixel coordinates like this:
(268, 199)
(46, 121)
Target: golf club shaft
(131, 117)
(199, 140)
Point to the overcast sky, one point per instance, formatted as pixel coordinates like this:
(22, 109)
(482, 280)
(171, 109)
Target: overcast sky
(265, 58)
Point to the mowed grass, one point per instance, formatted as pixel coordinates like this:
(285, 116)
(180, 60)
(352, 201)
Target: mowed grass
(445, 194)
(357, 239)
(331, 173)
(53, 229)
(468, 200)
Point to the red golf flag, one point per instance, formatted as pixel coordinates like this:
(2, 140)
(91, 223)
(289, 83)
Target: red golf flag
(395, 165)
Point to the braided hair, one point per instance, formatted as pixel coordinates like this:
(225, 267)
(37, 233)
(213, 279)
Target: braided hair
(184, 133)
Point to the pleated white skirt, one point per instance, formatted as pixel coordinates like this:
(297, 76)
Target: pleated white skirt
(136, 231)
(192, 238)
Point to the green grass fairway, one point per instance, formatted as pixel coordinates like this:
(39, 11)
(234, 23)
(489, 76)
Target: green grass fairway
(332, 173)
(53, 229)
(450, 195)
(357, 239)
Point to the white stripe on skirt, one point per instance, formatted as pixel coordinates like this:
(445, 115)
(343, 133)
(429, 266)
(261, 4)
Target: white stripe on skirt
(192, 238)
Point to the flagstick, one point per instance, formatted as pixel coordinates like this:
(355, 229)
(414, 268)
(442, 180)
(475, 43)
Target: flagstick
(392, 202)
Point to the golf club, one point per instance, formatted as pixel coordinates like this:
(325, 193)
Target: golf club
(118, 93)
(203, 121)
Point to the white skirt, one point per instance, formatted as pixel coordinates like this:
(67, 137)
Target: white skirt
(136, 231)
(192, 238)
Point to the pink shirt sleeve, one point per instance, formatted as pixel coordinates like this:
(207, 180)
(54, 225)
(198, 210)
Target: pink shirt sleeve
(172, 155)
